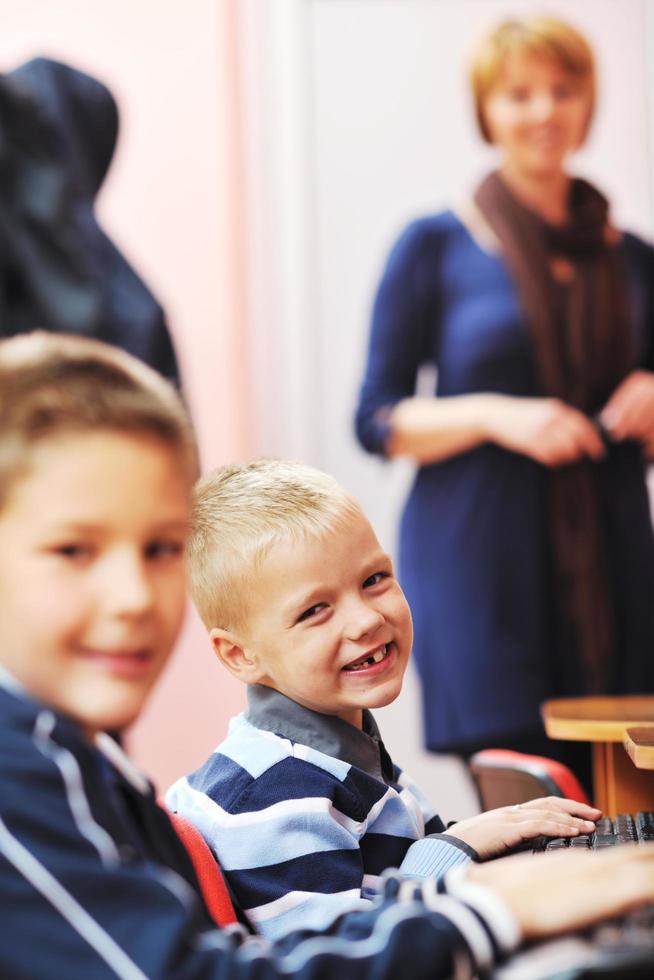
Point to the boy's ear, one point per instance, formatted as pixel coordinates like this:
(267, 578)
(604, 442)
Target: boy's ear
(232, 654)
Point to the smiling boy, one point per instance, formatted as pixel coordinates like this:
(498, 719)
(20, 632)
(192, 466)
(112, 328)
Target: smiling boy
(301, 803)
(337, 665)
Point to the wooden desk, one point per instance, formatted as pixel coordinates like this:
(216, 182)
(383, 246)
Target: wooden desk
(619, 786)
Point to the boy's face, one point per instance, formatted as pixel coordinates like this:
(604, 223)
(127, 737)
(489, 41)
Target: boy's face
(92, 584)
(330, 627)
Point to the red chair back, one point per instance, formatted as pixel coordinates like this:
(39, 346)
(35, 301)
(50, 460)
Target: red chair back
(504, 777)
(212, 883)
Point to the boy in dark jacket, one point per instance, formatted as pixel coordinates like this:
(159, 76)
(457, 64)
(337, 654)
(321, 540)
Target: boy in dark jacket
(97, 460)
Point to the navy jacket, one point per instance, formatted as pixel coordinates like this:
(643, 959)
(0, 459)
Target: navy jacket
(95, 884)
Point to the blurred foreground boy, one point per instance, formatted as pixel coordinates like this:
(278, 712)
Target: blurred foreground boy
(97, 460)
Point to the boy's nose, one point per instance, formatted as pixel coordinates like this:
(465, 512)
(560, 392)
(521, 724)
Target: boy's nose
(127, 587)
(363, 621)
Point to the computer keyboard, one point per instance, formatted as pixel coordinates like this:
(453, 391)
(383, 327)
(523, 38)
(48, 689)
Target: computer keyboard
(626, 828)
(618, 949)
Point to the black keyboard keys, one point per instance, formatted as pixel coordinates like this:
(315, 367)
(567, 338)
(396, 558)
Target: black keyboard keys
(627, 828)
(645, 825)
(604, 834)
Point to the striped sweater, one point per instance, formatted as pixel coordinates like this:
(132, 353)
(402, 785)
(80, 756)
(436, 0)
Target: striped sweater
(305, 813)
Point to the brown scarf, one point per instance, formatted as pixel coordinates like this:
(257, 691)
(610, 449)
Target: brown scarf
(581, 337)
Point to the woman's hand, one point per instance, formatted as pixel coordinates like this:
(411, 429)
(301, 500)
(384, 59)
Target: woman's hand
(552, 893)
(496, 831)
(544, 429)
(629, 412)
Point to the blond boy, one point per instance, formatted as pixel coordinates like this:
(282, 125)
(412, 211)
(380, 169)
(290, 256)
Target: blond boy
(302, 804)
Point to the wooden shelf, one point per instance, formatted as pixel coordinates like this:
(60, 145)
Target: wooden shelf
(598, 719)
(639, 743)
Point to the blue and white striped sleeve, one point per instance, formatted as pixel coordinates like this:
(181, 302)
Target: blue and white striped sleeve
(435, 853)
(433, 856)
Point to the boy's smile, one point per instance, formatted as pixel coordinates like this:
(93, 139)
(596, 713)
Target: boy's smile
(92, 539)
(328, 624)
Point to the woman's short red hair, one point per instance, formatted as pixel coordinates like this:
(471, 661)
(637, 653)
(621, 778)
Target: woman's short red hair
(544, 37)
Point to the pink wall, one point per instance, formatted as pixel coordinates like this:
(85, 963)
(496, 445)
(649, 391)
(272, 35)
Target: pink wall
(172, 202)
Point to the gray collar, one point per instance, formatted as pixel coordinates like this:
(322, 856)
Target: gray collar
(274, 712)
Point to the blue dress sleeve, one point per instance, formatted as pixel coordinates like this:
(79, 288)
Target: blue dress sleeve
(403, 323)
(647, 279)
(639, 261)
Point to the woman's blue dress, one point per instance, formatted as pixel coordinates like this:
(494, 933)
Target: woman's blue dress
(474, 553)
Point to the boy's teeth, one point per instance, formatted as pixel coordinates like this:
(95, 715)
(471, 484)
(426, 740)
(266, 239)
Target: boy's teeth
(374, 658)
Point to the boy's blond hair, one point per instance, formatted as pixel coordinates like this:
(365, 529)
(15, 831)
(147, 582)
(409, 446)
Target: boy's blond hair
(239, 512)
(52, 385)
(545, 37)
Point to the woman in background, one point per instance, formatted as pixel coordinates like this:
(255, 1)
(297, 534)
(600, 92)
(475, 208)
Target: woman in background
(526, 544)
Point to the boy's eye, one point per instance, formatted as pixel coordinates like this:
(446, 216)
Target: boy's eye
(374, 579)
(73, 552)
(165, 548)
(311, 611)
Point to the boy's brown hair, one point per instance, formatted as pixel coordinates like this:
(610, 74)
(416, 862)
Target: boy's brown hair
(53, 385)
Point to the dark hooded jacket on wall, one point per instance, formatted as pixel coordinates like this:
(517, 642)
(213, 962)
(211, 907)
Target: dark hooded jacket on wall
(58, 270)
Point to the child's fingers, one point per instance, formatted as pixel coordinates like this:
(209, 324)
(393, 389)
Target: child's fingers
(551, 822)
(548, 826)
(578, 809)
(573, 807)
(498, 830)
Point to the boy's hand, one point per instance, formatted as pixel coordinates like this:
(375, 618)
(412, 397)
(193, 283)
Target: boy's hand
(552, 893)
(496, 831)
